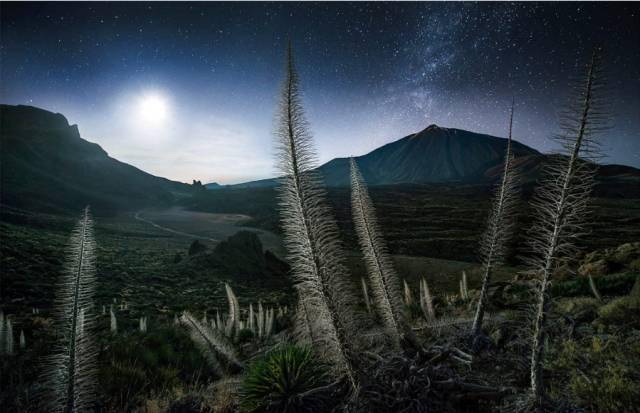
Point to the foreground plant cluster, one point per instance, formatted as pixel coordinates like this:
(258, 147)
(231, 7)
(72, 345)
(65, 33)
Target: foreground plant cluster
(546, 341)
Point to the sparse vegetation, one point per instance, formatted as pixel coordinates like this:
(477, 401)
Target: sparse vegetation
(206, 325)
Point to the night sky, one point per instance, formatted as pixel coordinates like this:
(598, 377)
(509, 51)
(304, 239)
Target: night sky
(188, 90)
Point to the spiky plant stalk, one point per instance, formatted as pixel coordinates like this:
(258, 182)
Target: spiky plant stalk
(72, 368)
(594, 288)
(2, 331)
(465, 284)
(8, 346)
(252, 323)
(365, 294)
(233, 322)
(213, 345)
(113, 322)
(561, 201)
(385, 284)
(260, 319)
(426, 301)
(218, 320)
(499, 227)
(310, 236)
(408, 295)
(269, 323)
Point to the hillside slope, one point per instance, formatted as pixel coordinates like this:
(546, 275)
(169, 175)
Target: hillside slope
(46, 166)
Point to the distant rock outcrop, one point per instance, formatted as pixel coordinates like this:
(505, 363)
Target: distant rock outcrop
(196, 247)
(240, 256)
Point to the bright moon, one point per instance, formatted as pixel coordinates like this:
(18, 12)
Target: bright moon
(153, 109)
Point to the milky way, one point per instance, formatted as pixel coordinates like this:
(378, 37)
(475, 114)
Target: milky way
(371, 73)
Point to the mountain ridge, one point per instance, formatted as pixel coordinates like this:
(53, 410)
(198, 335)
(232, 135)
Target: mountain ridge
(438, 155)
(46, 165)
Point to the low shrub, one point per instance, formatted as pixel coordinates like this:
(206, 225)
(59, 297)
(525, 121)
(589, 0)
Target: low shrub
(600, 374)
(615, 284)
(579, 308)
(244, 336)
(621, 311)
(139, 366)
(278, 382)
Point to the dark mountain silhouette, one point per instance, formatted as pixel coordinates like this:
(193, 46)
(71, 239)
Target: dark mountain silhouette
(439, 155)
(214, 185)
(434, 155)
(47, 166)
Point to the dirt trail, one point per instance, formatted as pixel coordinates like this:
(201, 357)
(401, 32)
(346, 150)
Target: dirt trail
(173, 231)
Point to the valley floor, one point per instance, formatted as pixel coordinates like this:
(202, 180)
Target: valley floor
(213, 227)
(148, 267)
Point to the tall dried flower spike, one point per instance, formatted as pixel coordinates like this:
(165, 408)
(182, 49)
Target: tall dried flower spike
(214, 346)
(260, 319)
(233, 322)
(426, 301)
(311, 237)
(408, 295)
(499, 229)
(218, 320)
(252, 324)
(71, 370)
(560, 202)
(594, 288)
(385, 284)
(8, 343)
(2, 332)
(465, 285)
(113, 322)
